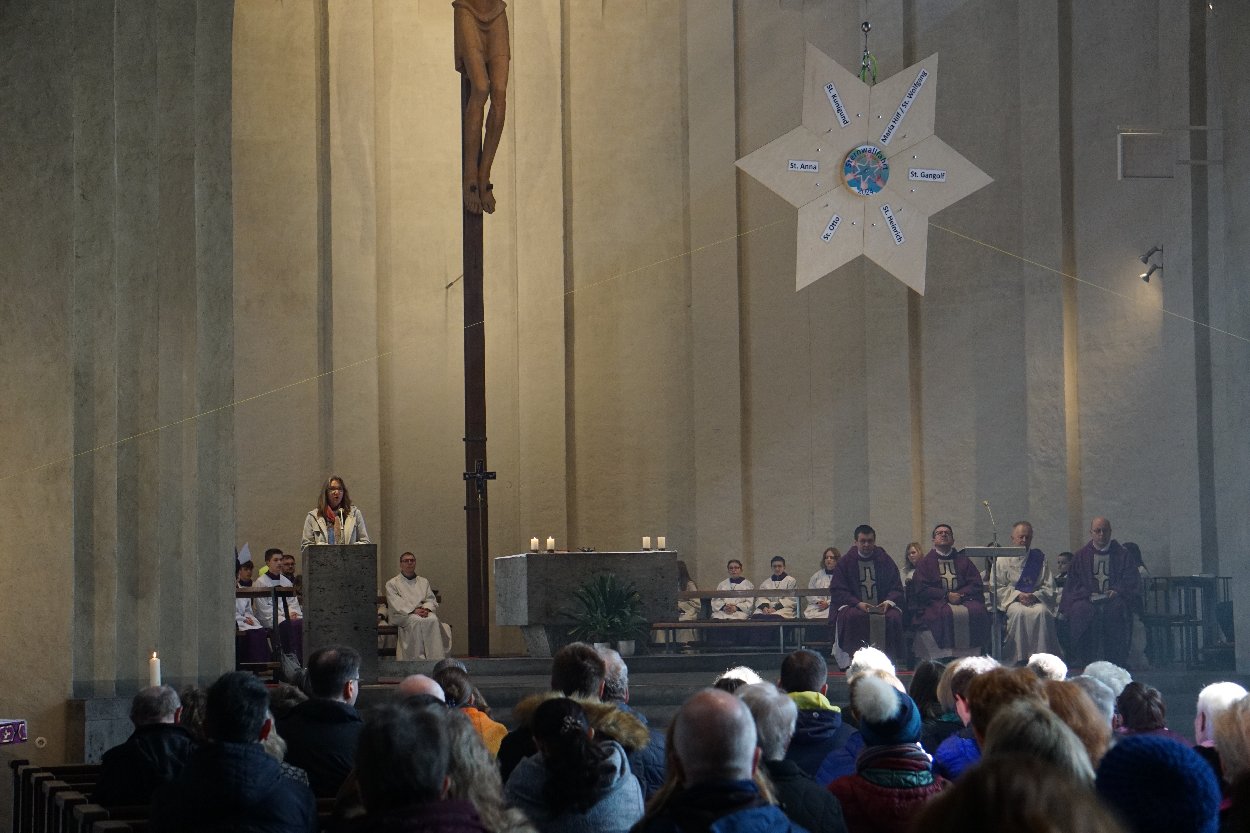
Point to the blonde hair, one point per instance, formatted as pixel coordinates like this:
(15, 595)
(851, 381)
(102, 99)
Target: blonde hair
(1232, 739)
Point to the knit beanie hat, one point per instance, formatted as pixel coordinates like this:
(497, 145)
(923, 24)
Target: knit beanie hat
(1158, 785)
(887, 716)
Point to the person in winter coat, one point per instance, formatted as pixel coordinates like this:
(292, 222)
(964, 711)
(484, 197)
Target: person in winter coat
(152, 756)
(894, 775)
(806, 803)
(575, 784)
(230, 783)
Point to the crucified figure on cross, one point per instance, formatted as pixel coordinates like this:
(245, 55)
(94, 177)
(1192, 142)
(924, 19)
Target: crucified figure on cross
(482, 57)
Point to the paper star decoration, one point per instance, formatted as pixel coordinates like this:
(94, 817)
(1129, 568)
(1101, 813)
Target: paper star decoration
(865, 170)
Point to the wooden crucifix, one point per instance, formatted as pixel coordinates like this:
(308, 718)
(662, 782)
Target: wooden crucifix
(482, 58)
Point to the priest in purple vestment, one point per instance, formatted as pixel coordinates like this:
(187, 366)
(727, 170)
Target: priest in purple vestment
(865, 599)
(949, 588)
(1102, 587)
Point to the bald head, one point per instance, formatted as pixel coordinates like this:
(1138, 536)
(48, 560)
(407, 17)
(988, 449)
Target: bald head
(714, 738)
(420, 684)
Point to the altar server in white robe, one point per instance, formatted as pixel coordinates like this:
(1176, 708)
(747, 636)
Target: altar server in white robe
(251, 642)
(1026, 596)
(818, 606)
(784, 607)
(290, 632)
(732, 608)
(410, 604)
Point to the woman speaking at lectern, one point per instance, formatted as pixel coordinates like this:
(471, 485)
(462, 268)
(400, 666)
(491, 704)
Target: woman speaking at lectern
(335, 520)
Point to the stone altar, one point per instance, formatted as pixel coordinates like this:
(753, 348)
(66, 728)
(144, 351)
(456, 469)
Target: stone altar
(533, 589)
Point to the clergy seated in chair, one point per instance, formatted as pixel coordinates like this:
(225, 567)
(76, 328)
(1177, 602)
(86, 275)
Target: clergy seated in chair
(952, 598)
(865, 598)
(1100, 594)
(411, 606)
(1025, 596)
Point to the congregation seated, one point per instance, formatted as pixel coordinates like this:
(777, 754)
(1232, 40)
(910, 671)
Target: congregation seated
(402, 771)
(805, 801)
(893, 775)
(647, 763)
(322, 732)
(1073, 705)
(1026, 727)
(1143, 712)
(1048, 666)
(459, 694)
(936, 721)
(735, 678)
(230, 783)
(822, 746)
(959, 749)
(1156, 785)
(152, 756)
(577, 671)
(951, 598)
(711, 781)
(576, 781)
(865, 599)
(1213, 700)
(1022, 794)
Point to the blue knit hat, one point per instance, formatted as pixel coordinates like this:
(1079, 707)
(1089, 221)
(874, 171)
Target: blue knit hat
(1159, 785)
(887, 716)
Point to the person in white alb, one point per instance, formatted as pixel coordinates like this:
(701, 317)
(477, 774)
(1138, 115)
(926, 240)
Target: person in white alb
(732, 608)
(290, 631)
(410, 606)
(818, 606)
(785, 607)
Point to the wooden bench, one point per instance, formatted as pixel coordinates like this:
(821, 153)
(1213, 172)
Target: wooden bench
(783, 626)
(35, 790)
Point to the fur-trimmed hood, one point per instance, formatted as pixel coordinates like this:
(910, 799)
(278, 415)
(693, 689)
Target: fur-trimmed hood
(605, 718)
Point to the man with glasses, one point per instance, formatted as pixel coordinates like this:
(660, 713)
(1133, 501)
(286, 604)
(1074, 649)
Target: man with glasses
(410, 606)
(321, 733)
(952, 598)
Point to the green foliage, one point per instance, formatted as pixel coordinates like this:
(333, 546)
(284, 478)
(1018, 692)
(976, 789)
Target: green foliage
(609, 611)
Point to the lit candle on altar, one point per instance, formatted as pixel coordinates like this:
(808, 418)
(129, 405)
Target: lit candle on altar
(661, 541)
(646, 542)
(533, 545)
(551, 544)
(154, 670)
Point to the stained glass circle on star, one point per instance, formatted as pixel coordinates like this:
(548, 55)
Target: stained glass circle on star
(866, 170)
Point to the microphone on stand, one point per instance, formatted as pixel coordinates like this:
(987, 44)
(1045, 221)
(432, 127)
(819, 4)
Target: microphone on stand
(342, 526)
(993, 525)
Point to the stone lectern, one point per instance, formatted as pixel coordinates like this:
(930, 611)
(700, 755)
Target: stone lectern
(341, 601)
(534, 589)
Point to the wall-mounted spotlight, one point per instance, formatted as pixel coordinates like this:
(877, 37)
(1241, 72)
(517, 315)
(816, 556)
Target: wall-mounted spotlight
(1154, 267)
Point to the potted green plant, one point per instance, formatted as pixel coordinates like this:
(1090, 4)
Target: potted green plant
(608, 613)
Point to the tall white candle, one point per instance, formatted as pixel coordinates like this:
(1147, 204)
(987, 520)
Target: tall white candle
(154, 670)
(533, 545)
(660, 542)
(551, 544)
(646, 542)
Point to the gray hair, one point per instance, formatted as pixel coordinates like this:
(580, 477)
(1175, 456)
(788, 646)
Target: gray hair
(156, 704)
(1048, 666)
(1214, 699)
(1029, 729)
(616, 680)
(775, 715)
(1100, 693)
(1112, 675)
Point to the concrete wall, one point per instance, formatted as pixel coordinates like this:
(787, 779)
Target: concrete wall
(263, 209)
(118, 282)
